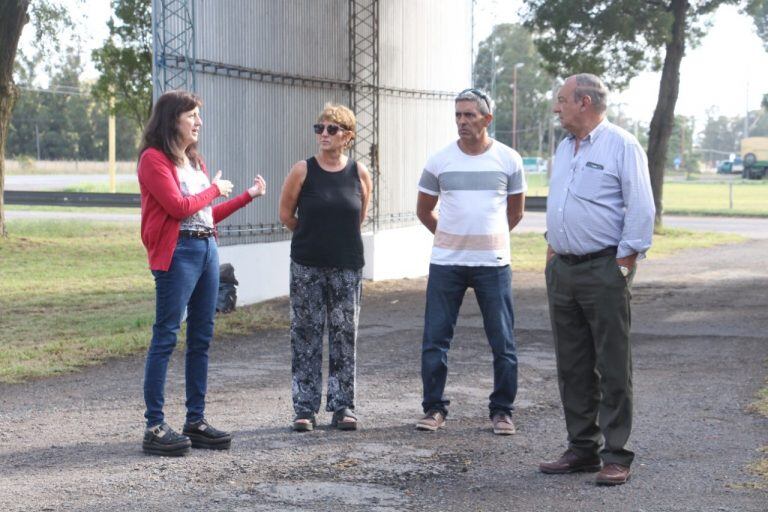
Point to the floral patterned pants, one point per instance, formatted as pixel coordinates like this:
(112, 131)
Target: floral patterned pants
(321, 295)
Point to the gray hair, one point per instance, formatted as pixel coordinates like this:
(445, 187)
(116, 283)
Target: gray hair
(481, 99)
(590, 85)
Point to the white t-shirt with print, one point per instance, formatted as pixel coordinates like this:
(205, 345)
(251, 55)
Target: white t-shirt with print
(193, 181)
(472, 227)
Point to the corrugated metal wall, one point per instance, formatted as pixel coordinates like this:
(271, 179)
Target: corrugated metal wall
(424, 47)
(257, 120)
(260, 125)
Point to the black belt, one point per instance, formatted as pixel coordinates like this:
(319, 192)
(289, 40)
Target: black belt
(573, 259)
(185, 233)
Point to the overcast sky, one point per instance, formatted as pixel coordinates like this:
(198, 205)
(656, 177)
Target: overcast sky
(728, 71)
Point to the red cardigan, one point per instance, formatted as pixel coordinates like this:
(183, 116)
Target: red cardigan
(163, 207)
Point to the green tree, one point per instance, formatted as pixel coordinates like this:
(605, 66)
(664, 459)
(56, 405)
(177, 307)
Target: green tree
(22, 130)
(758, 9)
(63, 122)
(125, 61)
(616, 39)
(681, 145)
(508, 46)
(719, 137)
(47, 16)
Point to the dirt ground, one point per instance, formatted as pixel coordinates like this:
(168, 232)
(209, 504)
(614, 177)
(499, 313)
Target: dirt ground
(700, 349)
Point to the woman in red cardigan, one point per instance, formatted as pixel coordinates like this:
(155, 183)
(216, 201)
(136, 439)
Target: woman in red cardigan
(178, 227)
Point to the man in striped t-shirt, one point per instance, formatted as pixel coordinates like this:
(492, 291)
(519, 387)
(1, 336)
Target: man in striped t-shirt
(481, 187)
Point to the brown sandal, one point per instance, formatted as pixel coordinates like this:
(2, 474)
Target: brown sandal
(341, 419)
(304, 423)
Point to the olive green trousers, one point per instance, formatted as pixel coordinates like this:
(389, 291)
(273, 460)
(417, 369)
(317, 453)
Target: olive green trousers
(589, 307)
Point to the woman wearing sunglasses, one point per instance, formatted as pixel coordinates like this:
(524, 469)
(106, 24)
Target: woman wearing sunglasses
(178, 228)
(324, 202)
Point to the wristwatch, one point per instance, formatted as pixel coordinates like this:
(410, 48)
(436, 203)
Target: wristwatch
(624, 270)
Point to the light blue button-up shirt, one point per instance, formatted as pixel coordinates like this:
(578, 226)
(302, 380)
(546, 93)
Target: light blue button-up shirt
(601, 196)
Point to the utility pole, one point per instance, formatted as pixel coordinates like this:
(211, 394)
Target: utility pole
(746, 113)
(541, 136)
(551, 155)
(493, 81)
(473, 77)
(514, 104)
(111, 152)
(37, 141)
(682, 142)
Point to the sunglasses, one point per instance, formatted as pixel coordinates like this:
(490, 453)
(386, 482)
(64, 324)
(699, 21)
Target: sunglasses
(480, 94)
(332, 129)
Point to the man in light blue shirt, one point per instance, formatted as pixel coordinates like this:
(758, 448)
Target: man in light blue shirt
(600, 216)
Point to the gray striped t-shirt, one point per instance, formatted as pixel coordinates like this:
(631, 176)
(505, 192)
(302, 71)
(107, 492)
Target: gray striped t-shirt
(472, 227)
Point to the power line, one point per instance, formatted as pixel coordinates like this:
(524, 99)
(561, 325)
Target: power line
(68, 90)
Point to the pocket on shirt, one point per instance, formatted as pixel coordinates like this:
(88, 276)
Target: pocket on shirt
(592, 183)
(588, 183)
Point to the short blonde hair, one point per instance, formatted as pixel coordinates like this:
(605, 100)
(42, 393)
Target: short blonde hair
(340, 115)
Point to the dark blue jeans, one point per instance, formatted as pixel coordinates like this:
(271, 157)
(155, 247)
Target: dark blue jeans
(191, 282)
(446, 287)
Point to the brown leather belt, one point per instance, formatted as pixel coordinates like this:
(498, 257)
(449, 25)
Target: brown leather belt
(575, 259)
(184, 233)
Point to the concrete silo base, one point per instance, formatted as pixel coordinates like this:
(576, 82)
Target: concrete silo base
(262, 269)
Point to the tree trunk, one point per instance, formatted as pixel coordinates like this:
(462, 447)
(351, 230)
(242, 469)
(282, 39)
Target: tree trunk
(664, 115)
(13, 17)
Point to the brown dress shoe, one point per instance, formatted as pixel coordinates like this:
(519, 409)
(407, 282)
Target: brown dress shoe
(569, 462)
(431, 421)
(613, 474)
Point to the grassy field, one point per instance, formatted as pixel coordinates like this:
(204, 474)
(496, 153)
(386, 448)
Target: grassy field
(71, 209)
(121, 187)
(77, 293)
(710, 196)
(749, 198)
(537, 184)
(18, 167)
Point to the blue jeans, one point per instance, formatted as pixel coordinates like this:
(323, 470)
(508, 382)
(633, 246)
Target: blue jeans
(446, 287)
(191, 282)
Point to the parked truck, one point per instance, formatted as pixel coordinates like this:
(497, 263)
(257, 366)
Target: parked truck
(754, 151)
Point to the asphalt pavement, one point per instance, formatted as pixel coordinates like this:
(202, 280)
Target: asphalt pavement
(699, 350)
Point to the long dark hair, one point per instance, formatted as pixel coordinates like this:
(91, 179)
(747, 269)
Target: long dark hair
(162, 132)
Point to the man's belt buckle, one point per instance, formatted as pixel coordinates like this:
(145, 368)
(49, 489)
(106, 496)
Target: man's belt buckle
(574, 259)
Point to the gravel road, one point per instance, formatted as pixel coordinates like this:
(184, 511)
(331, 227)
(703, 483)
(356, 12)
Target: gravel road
(700, 349)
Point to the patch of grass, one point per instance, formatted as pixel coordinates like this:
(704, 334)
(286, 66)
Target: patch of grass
(760, 468)
(715, 213)
(120, 186)
(71, 209)
(760, 406)
(26, 166)
(529, 249)
(537, 184)
(78, 292)
(667, 241)
(750, 198)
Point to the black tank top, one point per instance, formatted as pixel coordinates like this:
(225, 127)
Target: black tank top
(328, 229)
